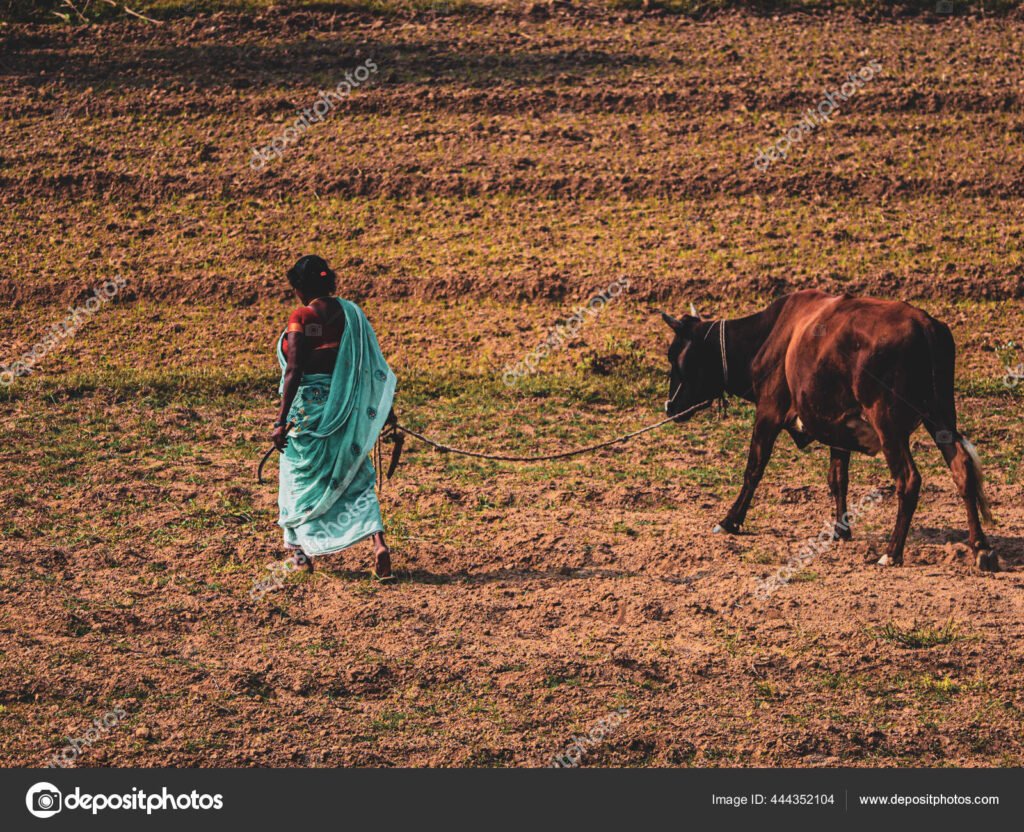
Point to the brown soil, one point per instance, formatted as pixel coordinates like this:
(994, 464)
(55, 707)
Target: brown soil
(498, 169)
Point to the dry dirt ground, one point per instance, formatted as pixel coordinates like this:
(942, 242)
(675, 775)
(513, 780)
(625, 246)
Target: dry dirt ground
(497, 169)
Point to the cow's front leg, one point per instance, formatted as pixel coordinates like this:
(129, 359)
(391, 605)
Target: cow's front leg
(766, 430)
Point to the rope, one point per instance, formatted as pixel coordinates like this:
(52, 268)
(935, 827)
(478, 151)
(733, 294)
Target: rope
(564, 454)
(725, 361)
(270, 450)
(449, 449)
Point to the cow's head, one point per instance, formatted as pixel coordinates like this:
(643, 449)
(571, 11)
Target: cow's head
(695, 376)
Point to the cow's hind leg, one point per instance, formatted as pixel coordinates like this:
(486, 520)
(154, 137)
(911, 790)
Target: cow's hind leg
(838, 484)
(967, 477)
(896, 447)
(766, 431)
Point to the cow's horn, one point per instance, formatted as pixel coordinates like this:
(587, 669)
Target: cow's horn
(672, 322)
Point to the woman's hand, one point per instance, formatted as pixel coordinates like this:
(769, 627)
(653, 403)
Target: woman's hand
(280, 436)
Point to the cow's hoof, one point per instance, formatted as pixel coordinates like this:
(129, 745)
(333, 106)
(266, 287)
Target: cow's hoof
(841, 532)
(885, 560)
(725, 527)
(988, 561)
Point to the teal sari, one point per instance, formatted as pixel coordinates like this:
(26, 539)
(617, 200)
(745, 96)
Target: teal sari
(327, 500)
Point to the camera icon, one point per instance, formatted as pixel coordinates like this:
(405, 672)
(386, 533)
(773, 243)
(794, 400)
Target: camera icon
(314, 330)
(943, 437)
(44, 800)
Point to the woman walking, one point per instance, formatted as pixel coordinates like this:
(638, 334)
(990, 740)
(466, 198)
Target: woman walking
(336, 396)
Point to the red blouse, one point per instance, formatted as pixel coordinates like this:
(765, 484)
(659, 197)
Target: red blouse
(322, 334)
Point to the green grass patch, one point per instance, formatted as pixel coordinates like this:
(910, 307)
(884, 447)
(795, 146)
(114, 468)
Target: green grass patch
(703, 8)
(919, 636)
(940, 688)
(78, 11)
(160, 387)
(95, 11)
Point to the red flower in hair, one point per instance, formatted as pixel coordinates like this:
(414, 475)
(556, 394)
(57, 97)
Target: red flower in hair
(323, 274)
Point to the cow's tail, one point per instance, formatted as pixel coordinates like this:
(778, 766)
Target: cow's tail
(979, 478)
(943, 408)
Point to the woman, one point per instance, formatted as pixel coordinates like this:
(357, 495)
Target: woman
(336, 395)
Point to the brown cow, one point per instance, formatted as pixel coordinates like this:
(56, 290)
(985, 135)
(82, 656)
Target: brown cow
(856, 374)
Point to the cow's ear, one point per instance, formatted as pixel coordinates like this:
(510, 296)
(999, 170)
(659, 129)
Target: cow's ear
(675, 325)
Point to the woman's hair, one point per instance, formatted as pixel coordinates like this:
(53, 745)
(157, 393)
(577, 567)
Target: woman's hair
(312, 276)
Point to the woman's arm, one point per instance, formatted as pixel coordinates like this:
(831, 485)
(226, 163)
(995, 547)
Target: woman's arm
(296, 351)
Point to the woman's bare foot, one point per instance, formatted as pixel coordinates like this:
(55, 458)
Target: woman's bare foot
(382, 555)
(382, 567)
